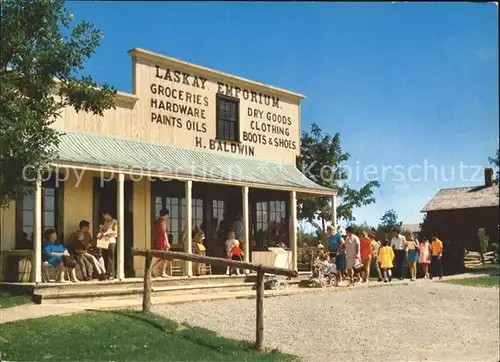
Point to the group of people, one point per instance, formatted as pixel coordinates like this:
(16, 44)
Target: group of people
(232, 244)
(355, 254)
(95, 257)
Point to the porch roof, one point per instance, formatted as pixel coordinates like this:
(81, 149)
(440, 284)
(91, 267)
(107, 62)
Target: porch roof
(93, 151)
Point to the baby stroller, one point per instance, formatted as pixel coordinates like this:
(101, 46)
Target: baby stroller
(323, 275)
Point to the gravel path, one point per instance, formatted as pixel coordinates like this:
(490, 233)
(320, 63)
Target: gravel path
(436, 321)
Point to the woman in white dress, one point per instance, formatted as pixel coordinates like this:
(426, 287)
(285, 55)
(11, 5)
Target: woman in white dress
(109, 230)
(352, 246)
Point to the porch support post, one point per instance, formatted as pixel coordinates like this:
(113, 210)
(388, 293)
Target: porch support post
(37, 236)
(334, 212)
(293, 228)
(188, 186)
(120, 257)
(246, 221)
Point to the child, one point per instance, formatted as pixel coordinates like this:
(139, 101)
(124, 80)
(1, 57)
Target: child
(198, 248)
(320, 264)
(230, 242)
(236, 254)
(325, 264)
(321, 260)
(341, 263)
(385, 258)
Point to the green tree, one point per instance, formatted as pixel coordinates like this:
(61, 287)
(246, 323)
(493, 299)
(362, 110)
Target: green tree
(42, 50)
(495, 162)
(390, 220)
(363, 227)
(321, 161)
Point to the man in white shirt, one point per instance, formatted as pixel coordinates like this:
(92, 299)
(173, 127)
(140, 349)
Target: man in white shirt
(398, 243)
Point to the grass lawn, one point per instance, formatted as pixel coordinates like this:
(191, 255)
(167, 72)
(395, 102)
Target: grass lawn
(488, 281)
(121, 335)
(8, 299)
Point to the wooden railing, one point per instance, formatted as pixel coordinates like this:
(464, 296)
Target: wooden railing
(473, 258)
(311, 252)
(260, 269)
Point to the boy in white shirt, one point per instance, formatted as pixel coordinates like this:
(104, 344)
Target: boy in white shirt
(230, 243)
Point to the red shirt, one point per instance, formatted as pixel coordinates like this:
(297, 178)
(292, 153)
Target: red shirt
(236, 251)
(161, 243)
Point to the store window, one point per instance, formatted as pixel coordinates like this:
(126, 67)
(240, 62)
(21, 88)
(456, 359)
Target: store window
(177, 214)
(196, 210)
(270, 224)
(52, 205)
(218, 210)
(228, 118)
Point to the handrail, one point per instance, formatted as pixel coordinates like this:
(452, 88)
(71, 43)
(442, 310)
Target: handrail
(172, 255)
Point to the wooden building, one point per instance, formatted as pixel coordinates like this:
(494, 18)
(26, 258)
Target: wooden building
(413, 228)
(199, 142)
(456, 214)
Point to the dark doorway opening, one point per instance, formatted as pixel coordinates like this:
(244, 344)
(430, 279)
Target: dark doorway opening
(105, 200)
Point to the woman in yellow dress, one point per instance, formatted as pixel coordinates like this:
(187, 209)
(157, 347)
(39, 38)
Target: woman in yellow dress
(385, 258)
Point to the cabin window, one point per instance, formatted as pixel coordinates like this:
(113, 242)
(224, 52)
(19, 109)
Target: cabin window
(228, 118)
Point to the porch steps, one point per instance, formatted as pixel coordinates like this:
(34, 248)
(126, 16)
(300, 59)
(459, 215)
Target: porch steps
(88, 292)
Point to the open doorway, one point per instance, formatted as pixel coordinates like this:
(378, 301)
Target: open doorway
(105, 199)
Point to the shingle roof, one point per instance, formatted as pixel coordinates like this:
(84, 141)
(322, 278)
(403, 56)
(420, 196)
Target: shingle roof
(84, 149)
(463, 198)
(414, 228)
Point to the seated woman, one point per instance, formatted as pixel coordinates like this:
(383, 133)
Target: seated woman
(81, 241)
(56, 255)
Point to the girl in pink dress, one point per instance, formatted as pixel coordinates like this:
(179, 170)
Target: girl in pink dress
(425, 256)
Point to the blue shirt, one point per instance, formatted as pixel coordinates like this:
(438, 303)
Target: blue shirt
(49, 248)
(334, 242)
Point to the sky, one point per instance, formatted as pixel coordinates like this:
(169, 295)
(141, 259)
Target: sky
(412, 88)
